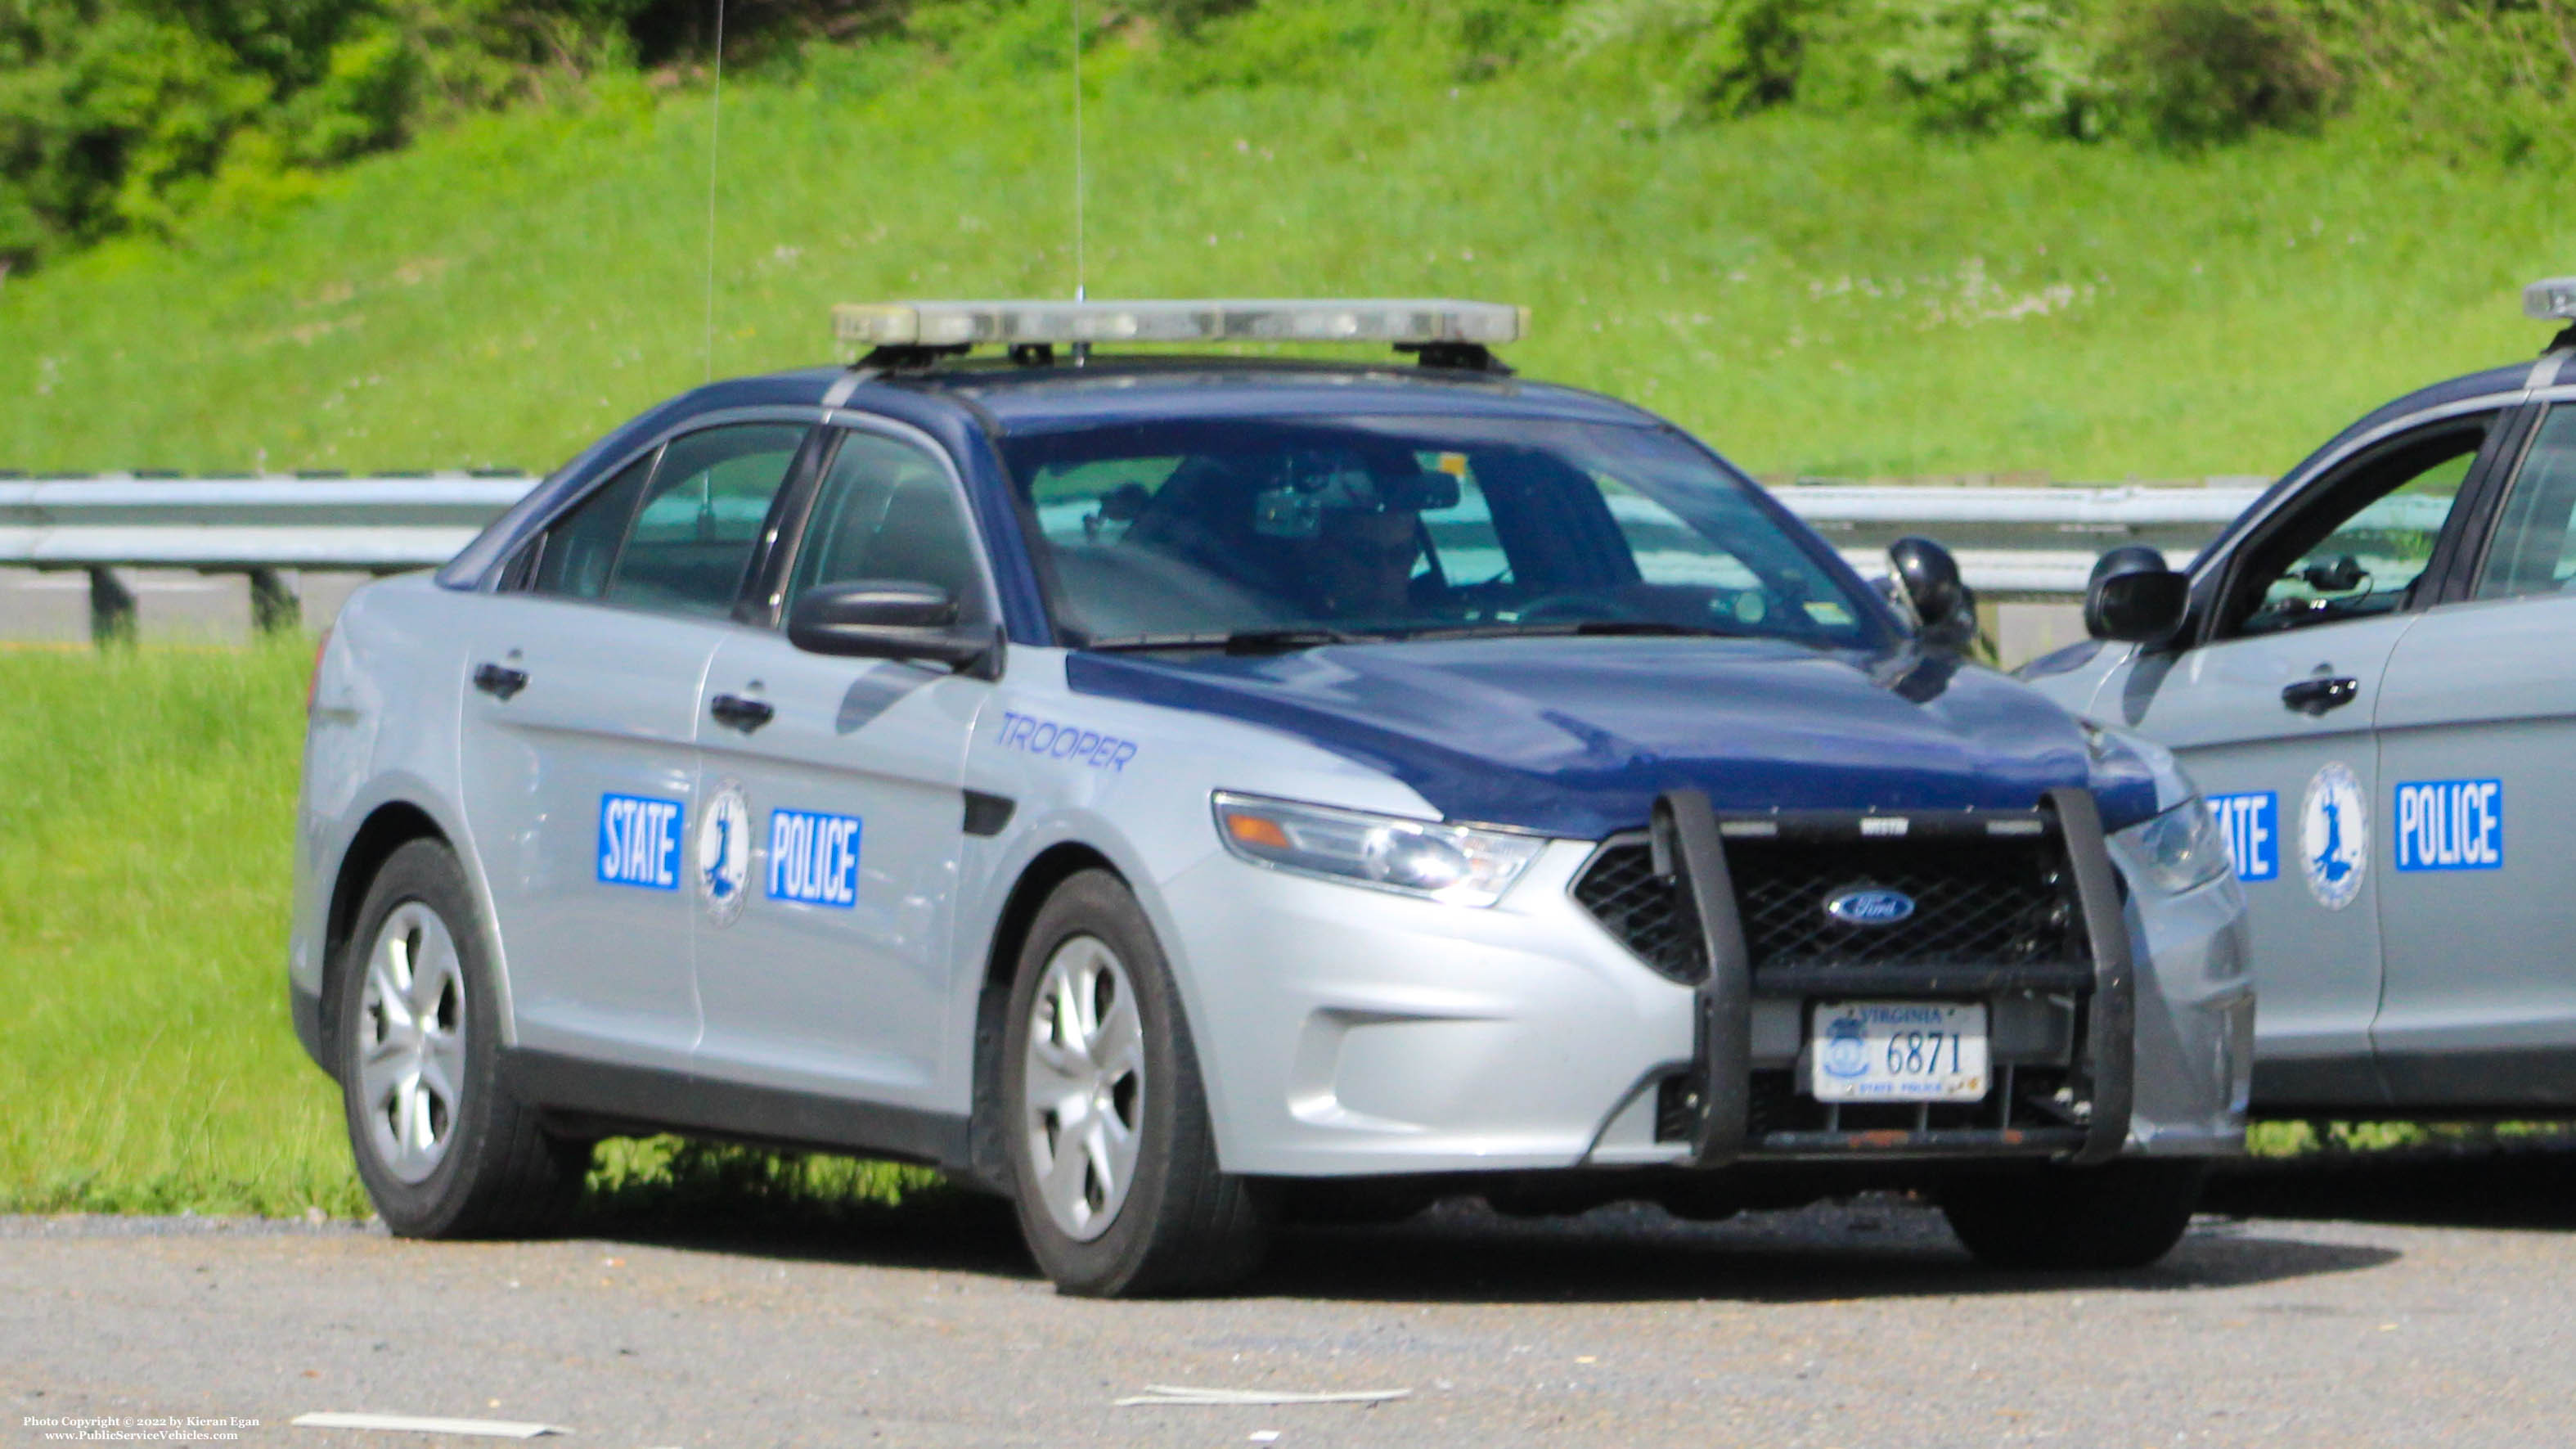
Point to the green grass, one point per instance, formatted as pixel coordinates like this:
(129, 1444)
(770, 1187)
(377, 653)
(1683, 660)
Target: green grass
(147, 1064)
(1813, 293)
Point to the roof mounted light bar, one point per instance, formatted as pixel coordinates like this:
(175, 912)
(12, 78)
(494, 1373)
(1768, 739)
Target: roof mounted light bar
(2553, 300)
(1449, 333)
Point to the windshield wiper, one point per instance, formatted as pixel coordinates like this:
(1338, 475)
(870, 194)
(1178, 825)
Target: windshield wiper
(1607, 628)
(1236, 641)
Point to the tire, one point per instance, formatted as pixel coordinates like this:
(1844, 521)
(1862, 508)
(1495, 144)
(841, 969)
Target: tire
(1098, 1071)
(2123, 1215)
(443, 1150)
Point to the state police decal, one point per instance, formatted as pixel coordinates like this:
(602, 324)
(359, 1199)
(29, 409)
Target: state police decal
(2334, 836)
(724, 852)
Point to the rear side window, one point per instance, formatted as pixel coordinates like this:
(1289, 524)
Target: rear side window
(2535, 548)
(676, 530)
(701, 519)
(580, 551)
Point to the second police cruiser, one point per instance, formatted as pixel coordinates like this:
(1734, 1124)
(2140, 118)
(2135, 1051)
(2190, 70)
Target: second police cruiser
(2367, 669)
(1184, 792)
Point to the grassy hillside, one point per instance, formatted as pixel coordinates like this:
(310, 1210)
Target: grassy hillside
(1813, 292)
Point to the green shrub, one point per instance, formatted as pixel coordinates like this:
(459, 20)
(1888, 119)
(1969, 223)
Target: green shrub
(1992, 65)
(1731, 57)
(2201, 71)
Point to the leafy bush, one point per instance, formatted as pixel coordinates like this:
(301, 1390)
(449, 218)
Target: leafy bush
(1991, 65)
(1734, 56)
(127, 115)
(2201, 71)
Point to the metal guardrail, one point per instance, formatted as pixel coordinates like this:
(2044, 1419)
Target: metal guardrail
(257, 526)
(2012, 542)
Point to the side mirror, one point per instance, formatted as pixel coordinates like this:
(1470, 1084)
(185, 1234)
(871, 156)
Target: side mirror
(891, 619)
(2134, 598)
(1927, 586)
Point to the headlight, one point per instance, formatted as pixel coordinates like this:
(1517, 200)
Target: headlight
(1451, 863)
(2177, 850)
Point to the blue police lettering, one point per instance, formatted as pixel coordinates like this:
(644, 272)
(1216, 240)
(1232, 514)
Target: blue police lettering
(2450, 825)
(639, 842)
(1031, 735)
(814, 858)
(2251, 824)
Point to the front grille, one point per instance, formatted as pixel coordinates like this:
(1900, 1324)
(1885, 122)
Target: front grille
(1978, 900)
(1651, 917)
(1995, 902)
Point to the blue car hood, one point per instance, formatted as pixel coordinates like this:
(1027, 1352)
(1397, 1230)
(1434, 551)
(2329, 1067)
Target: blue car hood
(1577, 736)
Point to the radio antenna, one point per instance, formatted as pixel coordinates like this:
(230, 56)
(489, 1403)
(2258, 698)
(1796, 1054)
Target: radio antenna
(715, 156)
(1077, 150)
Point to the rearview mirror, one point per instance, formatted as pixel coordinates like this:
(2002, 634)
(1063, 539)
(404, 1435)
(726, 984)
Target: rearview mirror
(2134, 598)
(891, 619)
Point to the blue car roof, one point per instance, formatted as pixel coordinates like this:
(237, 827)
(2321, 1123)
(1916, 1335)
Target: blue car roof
(1002, 397)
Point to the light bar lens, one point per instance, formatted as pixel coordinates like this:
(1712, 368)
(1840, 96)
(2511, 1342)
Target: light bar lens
(2550, 301)
(1451, 863)
(950, 324)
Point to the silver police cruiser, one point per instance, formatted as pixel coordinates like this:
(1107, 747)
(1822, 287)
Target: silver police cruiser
(2367, 671)
(1183, 793)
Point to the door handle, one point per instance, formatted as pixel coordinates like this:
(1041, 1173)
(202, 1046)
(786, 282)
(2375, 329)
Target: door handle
(743, 714)
(2316, 696)
(499, 680)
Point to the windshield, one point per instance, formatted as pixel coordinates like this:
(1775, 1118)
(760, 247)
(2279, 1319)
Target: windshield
(1310, 531)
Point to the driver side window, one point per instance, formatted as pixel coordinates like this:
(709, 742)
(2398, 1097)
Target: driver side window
(2361, 548)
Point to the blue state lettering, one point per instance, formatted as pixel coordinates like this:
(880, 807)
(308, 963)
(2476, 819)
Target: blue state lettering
(639, 842)
(814, 858)
(2251, 825)
(2450, 825)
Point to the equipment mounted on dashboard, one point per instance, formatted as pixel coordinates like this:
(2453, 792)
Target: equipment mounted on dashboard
(1441, 333)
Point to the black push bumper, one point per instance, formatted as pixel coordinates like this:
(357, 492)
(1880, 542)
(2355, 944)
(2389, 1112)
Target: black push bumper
(1690, 850)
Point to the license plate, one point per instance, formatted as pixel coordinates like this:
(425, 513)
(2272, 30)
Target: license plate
(1897, 1051)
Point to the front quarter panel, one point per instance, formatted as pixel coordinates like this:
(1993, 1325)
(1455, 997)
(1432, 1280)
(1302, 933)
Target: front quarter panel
(1339, 1029)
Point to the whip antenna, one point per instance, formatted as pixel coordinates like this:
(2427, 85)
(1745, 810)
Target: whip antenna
(715, 137)
(1077, 150)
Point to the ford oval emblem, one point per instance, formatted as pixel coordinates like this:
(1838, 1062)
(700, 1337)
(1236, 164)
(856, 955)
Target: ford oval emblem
(1869, 906)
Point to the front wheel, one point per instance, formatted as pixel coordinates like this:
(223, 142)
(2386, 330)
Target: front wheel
(1113, 1160)
(2123, 1215)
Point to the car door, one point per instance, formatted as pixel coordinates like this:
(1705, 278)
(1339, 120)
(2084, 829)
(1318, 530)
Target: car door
(578, 744)
(829, 972)
(2271, 712)
(2477, 749)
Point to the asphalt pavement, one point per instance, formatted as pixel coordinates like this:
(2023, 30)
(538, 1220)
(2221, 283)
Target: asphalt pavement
(1860, 1325)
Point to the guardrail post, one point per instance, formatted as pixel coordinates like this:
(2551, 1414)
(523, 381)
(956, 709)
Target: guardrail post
(274, 609)
(111, 609)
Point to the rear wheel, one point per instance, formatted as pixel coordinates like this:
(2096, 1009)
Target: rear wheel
(442, 1148)
(2123, 1215)
(1113, 1160)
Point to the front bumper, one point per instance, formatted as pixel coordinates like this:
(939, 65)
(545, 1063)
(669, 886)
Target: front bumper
(1342, 1031)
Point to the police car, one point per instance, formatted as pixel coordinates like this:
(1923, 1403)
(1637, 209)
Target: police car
(2366, 670)
(1183, 793)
